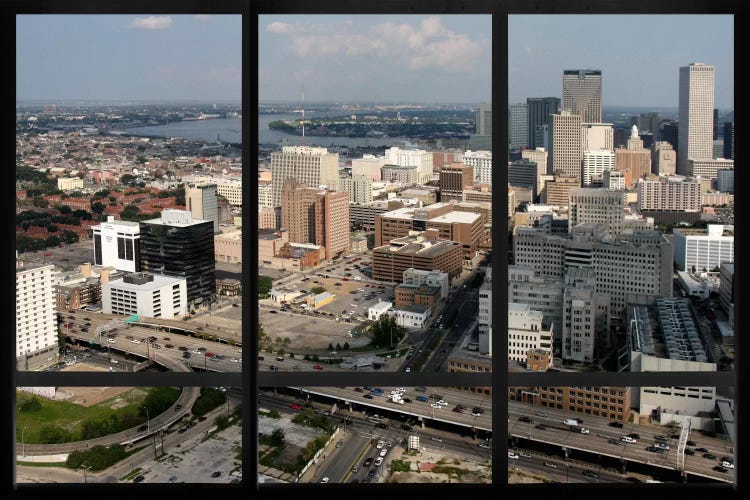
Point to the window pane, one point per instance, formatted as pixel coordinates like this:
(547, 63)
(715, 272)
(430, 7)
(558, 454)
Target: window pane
(422, 434)
(622, 196)
(621, 434)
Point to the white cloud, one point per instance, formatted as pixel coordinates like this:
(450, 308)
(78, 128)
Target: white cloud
(152, 23)
(279, 28)
(428, 45)
(202, 17)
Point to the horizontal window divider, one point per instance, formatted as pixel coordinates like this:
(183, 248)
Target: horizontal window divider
(94, 379)
(623, 379)
(344, 379)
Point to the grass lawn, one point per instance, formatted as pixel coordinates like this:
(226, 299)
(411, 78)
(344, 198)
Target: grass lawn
(70, 415)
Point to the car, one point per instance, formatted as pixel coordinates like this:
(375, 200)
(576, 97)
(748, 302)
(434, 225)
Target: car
(309, 405)
(378, 461)
(368, 462)
(675, 436)
(166, 338)
(182, 430)
(169, 346)
(156, 346)
(420, 389)
(487, 447)
(540, 414)
(324, 480)
(662, 446)
(628, 439)
(178, 407)
(615, 424)
(702, 450)
(135, 341)
(423, 399)
(372, 472)
(435, 405)
(368, 396)
(384, 452)
(138, 479)
(216, 474)
(379, 445)
(541, 427)
(590, 473)
(659, 437)
(355, 469)
(689, 451)
(182, 348)
(524, 418)
(381, 425)
(278, 358)
(476, 411)
(186, 355)
(235, 305)
(202, 418)
(317, 367)
(550, 465)
(111, 340)
(709, 456)
(273, 312)
(719, 468)
(439, 440)
(634, 435)
(458, 410)
(613, 441)
(295, 406)
(196, 351)
(142, 428)
(235, 360)
(690, 442)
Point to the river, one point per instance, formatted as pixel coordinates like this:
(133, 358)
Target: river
(268, 136)
(229, 129)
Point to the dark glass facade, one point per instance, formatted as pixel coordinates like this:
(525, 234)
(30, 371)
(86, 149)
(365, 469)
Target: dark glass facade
(182, 251)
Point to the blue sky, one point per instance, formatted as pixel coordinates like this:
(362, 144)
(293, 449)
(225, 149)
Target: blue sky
(129, 57)
(639, 55)
(375, 58)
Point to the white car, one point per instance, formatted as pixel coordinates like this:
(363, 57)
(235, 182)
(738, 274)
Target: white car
(383, 452)
(324, 480)
(442, 403)
(196, 351)
(407, 370)
(435, 405)
(512, 455)
(135, 341)
(628, 439)
(111, 341)
(357, 278)
(728, 465)
(234, 360)
(379, 445)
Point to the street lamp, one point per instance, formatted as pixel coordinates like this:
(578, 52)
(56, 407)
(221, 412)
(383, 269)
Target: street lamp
(148, 420)
(23, 443)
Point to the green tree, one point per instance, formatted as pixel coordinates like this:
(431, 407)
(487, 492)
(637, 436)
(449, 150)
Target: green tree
(40, 202)
(338, 346)
(130, 213)
(386, 332)
(65, 209)
(277, 437)
(127, 179)
(97, 207)
(330, 347)
(265, 283)
(317, 289)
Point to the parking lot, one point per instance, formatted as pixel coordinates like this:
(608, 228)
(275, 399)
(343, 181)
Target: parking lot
(308, 332)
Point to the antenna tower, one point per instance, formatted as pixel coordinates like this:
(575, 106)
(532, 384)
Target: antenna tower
(303, 116)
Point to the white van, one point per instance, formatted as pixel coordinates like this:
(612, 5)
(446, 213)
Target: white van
(628, 439)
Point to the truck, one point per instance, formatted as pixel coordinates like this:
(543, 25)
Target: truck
(571, 422)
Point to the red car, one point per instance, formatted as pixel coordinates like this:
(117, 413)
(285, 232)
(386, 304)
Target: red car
(209, 355)
(295, 406)
(317, 367)
(344, 279)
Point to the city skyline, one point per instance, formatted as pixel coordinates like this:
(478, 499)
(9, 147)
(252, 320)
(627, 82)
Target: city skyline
(639, 55)
(378, 58)
(129, 58)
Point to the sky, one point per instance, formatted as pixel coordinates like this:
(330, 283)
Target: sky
(375, 58)
(129, 57)
(639, 55)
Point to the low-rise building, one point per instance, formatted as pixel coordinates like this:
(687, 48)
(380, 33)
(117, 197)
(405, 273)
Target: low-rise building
(147, 295)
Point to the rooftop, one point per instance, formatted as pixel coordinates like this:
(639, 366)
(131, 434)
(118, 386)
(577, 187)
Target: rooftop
(158, 282)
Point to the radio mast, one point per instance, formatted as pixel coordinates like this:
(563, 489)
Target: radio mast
(303, 116)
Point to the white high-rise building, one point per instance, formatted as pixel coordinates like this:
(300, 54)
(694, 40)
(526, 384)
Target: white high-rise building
(482, 163)
(565, 153)
(582, 94)
(696, 118)
(311, 166)
(518, 125)
(526, 331)
(613, 180)
(599, 206)
(36, 325)
(231, 189)
(703, 248)
(368, 165)
(202, 203)
(359, 188)
(117, 244)
(411, 158)
(585, 316)
(596, 136)
(265, 194)
(669, 193)
(595, 163)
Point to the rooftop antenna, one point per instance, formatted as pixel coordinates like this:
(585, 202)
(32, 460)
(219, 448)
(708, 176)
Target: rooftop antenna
(303, 116)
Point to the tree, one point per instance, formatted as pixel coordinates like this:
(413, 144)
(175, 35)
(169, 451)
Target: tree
(317, 289)
(330, 347)
(52, 228)
(287, 341)
(127, 179)
(338, 346)
(386, 332)
(65, 209)
(264, 286)
(346, 346)
(40, 202)
(97, 207)
(277, 437)
(130, 213)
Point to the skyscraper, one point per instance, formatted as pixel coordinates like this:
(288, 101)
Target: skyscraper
(565, 153)
(729, 140)
(538, 110)
(696, 106)
(175, 244)
(484, 119)
(582, 94)
(202, 202)
(308, 165)
(36, 323)
(518, 124)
